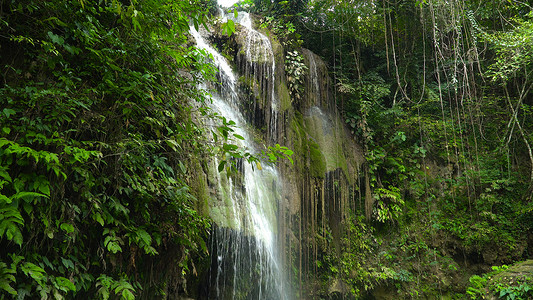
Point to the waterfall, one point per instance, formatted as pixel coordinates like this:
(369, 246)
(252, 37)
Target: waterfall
(245, 259)
(315, 90)
(260, 65)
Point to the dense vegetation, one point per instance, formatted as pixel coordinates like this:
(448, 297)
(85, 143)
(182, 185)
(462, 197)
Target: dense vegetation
(96, 136)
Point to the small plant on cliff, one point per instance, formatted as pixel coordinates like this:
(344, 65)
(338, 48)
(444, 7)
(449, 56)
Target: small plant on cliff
(388, 204)
(295, 69)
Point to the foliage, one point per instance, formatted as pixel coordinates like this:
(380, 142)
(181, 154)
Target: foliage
(295, 70)
(285, 31)
(353, 265)
(439, 95)
(227, 149)
(512, 48)
(361, 276)
(504, 287)
(387, 204)
(229, 27)
(368, 260)
(94, 182)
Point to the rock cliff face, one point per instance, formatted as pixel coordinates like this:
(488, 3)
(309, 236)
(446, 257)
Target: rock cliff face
(323, 183)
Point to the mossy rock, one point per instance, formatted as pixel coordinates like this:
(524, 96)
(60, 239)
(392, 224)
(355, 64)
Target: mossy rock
(200, 187)
(328, 137)
(317, 167)
(513, 282)
(284, 96)
(519, 270)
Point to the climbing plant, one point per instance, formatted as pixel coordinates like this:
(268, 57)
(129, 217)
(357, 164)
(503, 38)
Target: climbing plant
(295, 70)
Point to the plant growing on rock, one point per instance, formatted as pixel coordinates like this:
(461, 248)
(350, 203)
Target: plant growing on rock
(295, 69)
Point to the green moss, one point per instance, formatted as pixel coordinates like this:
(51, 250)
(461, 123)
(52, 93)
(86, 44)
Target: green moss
(200, 189)
(277, 48)
(284, 96)
(317, 166)
(221, 209)
(337, 159)
(298, 137)
(329, 138)
(251, 82)
(306, 150)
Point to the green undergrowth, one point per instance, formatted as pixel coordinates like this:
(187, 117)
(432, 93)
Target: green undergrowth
(95, 149)
(504, 282)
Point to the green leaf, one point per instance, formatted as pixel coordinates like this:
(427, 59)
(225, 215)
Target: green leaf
(104, 282)
(6, 130)
(27, 196)
(67, 263)
(45, 189)
(230, 147)
(56, 38)
(173, 144)
(98, 218)
(135, 21)
(229, 27)
(6, 278)
(68, 228)
(64, 284)
(9, 218)
(128, 295)
(34, 271)
(5, 199)
(144, 236)
(182, 167)
(4, 174)
(221, 165)
(123, 285)
(4, 285)
(272, 157)
(13, 233)
(8, 112)
(112, 242)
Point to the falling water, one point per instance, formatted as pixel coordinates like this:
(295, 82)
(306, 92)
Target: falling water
(261, 65)
(244, 249)
(313, 76)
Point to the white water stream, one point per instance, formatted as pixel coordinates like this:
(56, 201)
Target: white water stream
(247, 260)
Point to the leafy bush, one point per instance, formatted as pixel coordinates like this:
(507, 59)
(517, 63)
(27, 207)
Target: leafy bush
(97, 133)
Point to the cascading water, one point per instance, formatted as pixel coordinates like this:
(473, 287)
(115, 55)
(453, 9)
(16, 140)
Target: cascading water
(315, 90)
(260, 65)
(244, 249)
